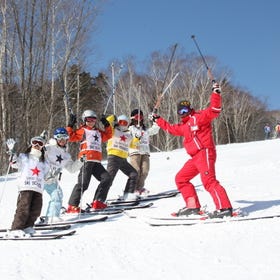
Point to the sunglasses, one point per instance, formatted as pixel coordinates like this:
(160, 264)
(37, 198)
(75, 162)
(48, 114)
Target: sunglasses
(37, 143)
(123, 123)
(62, 137)
(183, 111)
(90, 119)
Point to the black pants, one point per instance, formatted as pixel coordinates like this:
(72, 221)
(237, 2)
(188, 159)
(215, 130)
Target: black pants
(29, 206)
(89, 169)
(117, 163)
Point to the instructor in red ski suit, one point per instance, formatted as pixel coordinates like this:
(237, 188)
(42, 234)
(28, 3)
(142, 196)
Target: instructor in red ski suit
(198, 141)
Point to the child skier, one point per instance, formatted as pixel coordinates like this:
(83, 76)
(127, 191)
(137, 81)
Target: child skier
(91, 138)
(58, 158)
(117, 150)
(32, 168)
(139, 153)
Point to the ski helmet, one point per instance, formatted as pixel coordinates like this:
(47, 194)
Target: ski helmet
(88, 114)
(123, 121)
(38, 140)
(184, 107)
(60, 133)
(136, 114)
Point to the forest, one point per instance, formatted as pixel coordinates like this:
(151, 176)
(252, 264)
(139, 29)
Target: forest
(43, 79)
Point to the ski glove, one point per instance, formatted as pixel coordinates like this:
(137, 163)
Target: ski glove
(44, 135)
(11, 144)
(138, 135)
(72, 120)
(104, 121)
(52, 174)
(153, 117)
(216, 88)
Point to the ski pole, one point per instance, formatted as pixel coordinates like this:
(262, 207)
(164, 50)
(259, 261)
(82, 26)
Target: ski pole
(66, 96)
(6, 179)
(84, 159)
(113, 86)
(169, 65)
(166, 75)
(139, 102)
(163, 93)
(209, 73)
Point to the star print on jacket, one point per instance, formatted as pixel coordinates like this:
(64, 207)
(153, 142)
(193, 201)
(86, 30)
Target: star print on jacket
(59, 158)
(35, 171)
(123, 138)
(96, 138)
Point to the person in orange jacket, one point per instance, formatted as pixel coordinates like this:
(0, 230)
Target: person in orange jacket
(196, 128)
(91, 138)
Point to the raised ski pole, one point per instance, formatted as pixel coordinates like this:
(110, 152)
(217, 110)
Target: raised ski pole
(209, 73)
(113, 86)
(66, 96)
(163, 93)
(164, 82)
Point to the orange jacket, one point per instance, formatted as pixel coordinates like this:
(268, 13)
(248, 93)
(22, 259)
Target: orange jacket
(91, 140)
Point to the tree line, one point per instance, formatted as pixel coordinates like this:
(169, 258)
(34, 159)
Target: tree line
(43, 77)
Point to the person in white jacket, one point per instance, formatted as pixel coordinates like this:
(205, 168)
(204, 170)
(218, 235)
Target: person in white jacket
(58, 158)
(140, 153)
(32, 169)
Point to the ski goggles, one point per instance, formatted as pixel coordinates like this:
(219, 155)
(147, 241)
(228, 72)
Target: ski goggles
(37, 143)
(61, 137)
(90, 119)
(183, 111)
(123, 123)
(138, 117)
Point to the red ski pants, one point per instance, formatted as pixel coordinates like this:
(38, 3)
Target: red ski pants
(202, 163)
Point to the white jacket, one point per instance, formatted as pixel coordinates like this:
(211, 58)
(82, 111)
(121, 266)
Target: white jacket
(31, 172)
(59, 158)
(143, 146)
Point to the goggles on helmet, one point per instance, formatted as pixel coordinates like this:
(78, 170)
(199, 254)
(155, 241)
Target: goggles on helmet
(37, 143)
(90, 119)
(61, 137)
(183, 111)
(138, 117)
(123, 122)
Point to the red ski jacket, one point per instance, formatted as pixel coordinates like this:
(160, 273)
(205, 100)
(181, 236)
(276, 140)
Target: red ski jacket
(196, 128)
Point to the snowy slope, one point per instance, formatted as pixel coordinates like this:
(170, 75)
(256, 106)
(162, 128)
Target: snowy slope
(126, 248)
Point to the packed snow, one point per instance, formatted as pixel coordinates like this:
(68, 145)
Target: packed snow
(128, 248)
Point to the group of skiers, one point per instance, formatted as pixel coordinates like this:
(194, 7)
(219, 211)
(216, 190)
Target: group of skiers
(40, 166)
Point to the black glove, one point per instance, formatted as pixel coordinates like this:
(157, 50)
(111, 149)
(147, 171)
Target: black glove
(72, 120)
(216, 88)
(153, 117)
(104, 121)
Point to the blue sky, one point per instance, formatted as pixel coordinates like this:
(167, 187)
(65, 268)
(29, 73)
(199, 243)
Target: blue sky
(244, 36)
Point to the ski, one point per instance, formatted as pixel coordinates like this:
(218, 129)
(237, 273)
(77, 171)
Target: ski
(114, 203)
(199, 221)
(125, 207)
(71, 222)
(146, 198)
(47, 236)
(66, 233)
(31, 238)
(51, 227)
(85, 212)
